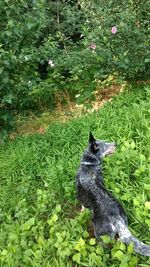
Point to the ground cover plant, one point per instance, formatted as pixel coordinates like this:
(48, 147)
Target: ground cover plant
(40, 220)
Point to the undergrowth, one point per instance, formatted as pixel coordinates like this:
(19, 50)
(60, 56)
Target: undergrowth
(40, 220)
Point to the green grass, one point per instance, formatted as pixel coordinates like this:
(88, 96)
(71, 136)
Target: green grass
(37, 175)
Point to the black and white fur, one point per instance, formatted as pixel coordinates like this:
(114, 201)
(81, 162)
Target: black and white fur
(109, 216)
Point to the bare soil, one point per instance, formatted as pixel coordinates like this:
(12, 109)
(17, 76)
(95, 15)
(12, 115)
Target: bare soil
(34, 124)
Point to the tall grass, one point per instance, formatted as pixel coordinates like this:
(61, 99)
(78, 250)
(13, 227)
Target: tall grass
(38, 174)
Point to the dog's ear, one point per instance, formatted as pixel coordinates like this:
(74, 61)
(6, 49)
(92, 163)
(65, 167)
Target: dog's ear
(92, 142)
(91, 138)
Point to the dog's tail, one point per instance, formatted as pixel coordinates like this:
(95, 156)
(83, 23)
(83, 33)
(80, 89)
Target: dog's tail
(127, 238)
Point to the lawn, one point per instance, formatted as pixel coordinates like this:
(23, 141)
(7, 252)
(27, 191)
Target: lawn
(41, 223)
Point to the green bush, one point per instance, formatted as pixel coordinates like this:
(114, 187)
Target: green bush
(114, 41)
(127, 49)
(50, 47)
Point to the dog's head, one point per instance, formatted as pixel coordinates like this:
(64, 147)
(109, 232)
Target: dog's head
(100, 148)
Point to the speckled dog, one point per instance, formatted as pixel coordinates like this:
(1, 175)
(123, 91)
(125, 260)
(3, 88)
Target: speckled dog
(109, 216)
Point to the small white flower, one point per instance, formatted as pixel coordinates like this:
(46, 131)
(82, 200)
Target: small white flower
(29, 82)
(50, 62)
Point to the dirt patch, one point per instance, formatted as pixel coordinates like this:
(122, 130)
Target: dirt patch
(62, 113)
(105, 95)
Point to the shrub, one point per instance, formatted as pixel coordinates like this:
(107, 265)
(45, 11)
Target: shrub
(114, 41)
(49, 47)
(21, 51)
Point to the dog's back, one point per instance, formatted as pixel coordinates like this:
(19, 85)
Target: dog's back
(92, 194)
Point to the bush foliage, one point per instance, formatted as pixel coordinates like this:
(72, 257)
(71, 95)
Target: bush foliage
(50, 47)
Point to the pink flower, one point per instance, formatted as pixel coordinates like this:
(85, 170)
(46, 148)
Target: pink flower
(50, 62)
(92, 46)
(114, 29)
